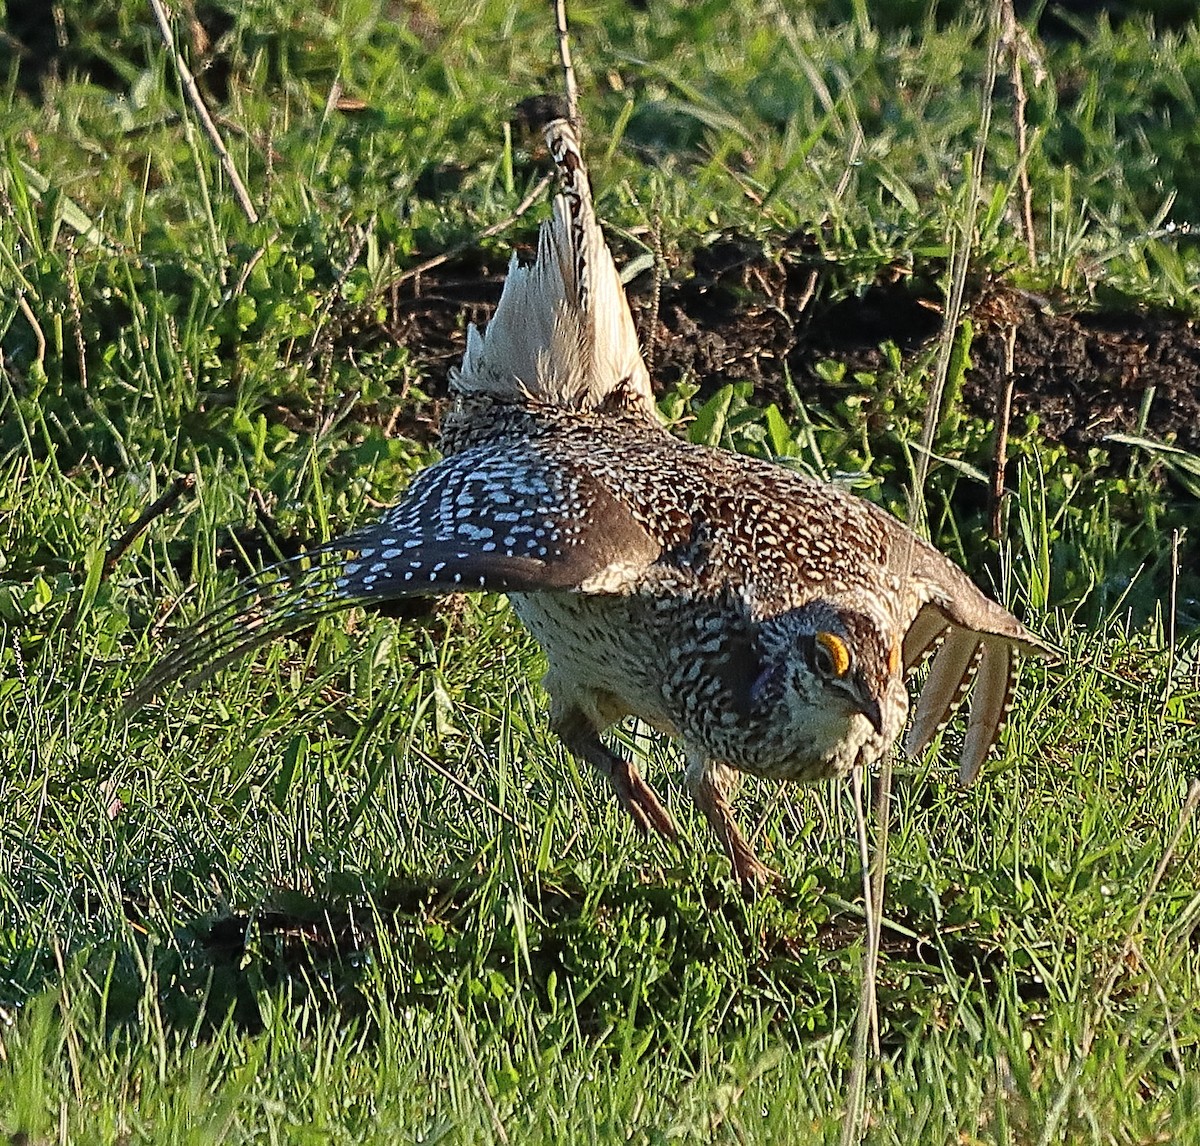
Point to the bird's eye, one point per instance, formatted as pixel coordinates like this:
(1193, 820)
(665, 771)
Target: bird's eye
(832, 655)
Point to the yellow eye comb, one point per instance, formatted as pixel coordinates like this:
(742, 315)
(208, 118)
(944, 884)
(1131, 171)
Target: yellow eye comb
(839, 654)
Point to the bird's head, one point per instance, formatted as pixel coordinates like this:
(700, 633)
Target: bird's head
(826, 664)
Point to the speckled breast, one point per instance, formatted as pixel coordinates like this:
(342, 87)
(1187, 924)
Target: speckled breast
(602, 645)
(687, 668)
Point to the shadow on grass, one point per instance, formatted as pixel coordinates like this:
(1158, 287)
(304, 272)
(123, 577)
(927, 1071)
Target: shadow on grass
(689, 955)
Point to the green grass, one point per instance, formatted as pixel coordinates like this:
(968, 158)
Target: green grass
(353, 890)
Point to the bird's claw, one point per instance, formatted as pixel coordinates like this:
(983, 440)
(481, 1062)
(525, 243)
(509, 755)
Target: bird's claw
(640, 801)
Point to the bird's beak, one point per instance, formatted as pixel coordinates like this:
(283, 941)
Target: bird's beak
(869, 706)
(874, 714)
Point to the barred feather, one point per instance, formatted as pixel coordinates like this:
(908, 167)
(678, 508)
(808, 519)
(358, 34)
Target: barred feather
(283, 599)
(991, 699)
(944, 688)
(924, 635)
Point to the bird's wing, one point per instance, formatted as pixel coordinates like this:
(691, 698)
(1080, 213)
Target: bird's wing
(973, 642)
(500, 519)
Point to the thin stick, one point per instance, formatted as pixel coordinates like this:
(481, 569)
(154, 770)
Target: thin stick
(38, 334)
(883, 820)
(1015, 40)
(866, 1025)
(564, 54)
(486, 233)
(879, 875)
(154, 510)
(77, 315)
(872, 909)
(1173, 610)
(197, 102)
(1003, 420)
(958, 283)
(1023, 160)
(866, 1019)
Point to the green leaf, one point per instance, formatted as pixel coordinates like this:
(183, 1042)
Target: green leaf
(713, 418)
(1183, 465)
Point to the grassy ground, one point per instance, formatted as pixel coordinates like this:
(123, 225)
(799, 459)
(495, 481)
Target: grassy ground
(353, 891)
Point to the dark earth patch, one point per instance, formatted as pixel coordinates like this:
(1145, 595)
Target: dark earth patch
(1077, 376)
(741, 316)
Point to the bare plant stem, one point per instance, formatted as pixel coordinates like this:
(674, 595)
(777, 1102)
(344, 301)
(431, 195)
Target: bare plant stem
(1013, 38)
(568, 69)
(206, 122)
(151, 513)
(1173, 612)
(1003, 420)
(962, 243)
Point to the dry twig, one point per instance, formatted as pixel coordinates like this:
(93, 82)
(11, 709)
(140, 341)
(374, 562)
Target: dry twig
(1016, 43)
(1003, 420)
(564, 54)
(197, 101)
(151, 513)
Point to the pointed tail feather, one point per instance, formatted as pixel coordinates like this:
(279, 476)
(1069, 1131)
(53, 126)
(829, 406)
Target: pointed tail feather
(924, 635)
(986, 666)
(563, 333)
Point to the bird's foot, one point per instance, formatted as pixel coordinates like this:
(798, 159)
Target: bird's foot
(753, 876)
(709, 783)
(640, 801)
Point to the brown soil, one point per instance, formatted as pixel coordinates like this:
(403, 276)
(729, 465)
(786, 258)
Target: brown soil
(740, 316)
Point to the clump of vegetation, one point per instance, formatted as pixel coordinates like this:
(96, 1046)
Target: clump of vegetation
(352, 890)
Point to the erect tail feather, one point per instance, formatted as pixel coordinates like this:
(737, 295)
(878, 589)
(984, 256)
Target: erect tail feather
(991, 699)
(563, 333)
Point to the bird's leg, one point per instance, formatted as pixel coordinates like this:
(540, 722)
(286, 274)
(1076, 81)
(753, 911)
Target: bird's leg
(709, 784)
(582, 739)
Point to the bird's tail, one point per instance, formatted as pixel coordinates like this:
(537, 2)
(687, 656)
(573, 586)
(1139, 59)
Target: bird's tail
(563, 334)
